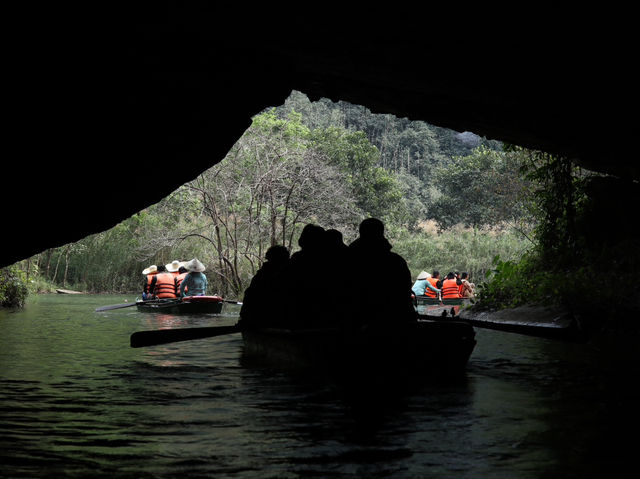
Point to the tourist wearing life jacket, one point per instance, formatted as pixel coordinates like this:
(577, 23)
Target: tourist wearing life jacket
(182, 273)
(149, 274)
(163, 284)
(422, 284)
(195, 281)
(467, 289)
(173, 267)
(450, 287)
(433, 281)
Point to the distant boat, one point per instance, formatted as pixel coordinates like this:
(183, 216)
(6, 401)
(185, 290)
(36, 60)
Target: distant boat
(186, 305)
(68, 291)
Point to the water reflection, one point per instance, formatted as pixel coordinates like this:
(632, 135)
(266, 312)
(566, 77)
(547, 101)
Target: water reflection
(76, 401)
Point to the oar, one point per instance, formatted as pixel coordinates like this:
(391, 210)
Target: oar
(566, 331)
(141, 339)
(116, 306)
(127, 305)
(232, 302)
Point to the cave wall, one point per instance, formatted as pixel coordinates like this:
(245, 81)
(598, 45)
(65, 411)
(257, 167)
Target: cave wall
(112, 112)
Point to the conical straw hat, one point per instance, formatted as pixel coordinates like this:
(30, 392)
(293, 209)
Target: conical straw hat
(194, 265)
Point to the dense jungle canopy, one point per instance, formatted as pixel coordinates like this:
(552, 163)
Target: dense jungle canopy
(451, 201)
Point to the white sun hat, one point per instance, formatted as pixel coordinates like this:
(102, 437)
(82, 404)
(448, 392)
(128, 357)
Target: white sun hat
(173, 266)
(151, 269)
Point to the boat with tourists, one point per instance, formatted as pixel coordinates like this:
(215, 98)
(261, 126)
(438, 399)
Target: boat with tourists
(389, 341)
(426, 348)
(414, 351)
(186, 305)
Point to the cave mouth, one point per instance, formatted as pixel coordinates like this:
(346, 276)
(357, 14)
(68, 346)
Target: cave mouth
(597, 227)
(416, 144)
(97, 145)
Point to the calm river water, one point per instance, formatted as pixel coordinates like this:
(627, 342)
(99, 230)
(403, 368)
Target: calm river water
(77, 401)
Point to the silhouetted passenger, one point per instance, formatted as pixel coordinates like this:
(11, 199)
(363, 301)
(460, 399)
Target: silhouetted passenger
(305, 281)
(335, 242)
(383, 279)
(264, 292)
(337, 270)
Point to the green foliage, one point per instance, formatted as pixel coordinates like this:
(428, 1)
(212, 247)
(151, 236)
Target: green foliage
(477, 190)
(376, 191)
(585, 239)
(556, 195)
(559, 193)
(414, 146)
(13, 287)
(457, 249)
(334, 164)
(508, 284)
(290, 128)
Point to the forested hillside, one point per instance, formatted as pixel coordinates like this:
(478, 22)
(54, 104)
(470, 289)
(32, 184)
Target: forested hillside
(450, 201)
(412, 146)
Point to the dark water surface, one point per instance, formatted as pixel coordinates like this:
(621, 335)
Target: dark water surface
(77, 401)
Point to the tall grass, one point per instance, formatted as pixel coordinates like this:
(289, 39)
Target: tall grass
(458, 249)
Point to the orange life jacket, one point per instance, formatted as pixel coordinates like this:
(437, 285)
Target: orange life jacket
(179, 280)
(450, 289)
(147, 284)
(429, 293)
(165, 286)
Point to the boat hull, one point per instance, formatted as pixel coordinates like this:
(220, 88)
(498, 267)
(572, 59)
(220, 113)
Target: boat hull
(436, 307)
(187, 305)
(426, 349)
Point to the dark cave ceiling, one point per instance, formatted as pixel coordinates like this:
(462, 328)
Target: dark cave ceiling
(111, 121)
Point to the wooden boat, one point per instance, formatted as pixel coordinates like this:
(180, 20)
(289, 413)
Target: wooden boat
(437, 307)
(186, 305)
(425, 349)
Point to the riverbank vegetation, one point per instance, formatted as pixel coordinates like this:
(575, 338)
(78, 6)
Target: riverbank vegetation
(451, 201)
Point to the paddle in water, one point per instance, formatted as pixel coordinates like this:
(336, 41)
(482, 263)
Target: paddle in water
(141, 339)
(115, 306)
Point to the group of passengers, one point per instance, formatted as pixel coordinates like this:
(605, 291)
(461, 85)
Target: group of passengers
(174, 280)
(454, 285)
(328, 282)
